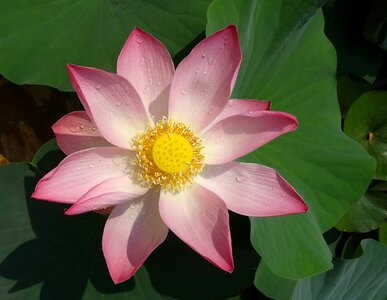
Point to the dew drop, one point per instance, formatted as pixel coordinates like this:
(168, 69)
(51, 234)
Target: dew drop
(93, 129)
(273, 188)
(75, 129)
(97, 87)
(205, 72)
(240, 179)
(205, 91)
(225, 42)
(210, 60)
(230, 103)
(82, 126)
(204, 55)
(91, 166)
(139, 40)
(183, 92)
(283, 195)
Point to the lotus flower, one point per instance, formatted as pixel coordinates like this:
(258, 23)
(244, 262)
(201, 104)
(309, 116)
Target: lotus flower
(155, 149)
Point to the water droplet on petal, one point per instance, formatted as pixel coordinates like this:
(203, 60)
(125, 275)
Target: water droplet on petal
(230, 102)
(91, 166)
(210, 60)
(273, 188)
(283, 195)
(98, 86)
(183, 92)
(93, 129)
(240, 178)
(139, 40)
(225, 42)
(75, 129)
(205, 72)
(204, 55)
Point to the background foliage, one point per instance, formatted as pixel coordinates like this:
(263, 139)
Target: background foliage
(287, 58)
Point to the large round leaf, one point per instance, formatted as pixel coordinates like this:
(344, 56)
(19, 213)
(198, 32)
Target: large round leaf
(287, 59)
(39, 37)
(46, 254)
(362, 278)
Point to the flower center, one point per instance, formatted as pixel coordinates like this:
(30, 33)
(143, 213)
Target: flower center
(172, 153)
(169, 155)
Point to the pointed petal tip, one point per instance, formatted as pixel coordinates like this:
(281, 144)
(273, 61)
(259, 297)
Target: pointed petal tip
(232, 28)
(119, 278)
(304, 208)
(71, 68)
(70, 211)
(229, 267)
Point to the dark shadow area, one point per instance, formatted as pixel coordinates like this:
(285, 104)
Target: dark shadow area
(58, 256)
(60, 253)
(178, 271)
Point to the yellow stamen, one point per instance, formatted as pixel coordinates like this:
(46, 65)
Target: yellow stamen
(169, 155)
(172, 153)
(370, 136)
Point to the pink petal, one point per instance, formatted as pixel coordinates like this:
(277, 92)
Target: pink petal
(112, 102)
(252, 190)
(240, 107)
(200, 218)
(238, 135)
(204, 79)
(147, 65)
(76, 131)
(81, 171)
(108, 193)
(133, 230)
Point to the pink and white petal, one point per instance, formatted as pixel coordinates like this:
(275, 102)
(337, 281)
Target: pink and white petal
(108, 193)
(147, 65)
(81, 171)
(240, 107)
(132, 231)
(204, 80)
(113, 103)
(200, 218)
(238, 135)
(252, 190)
(76, 131)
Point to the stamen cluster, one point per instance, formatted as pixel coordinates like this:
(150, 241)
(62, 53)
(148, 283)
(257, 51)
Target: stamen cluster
(147, 173)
